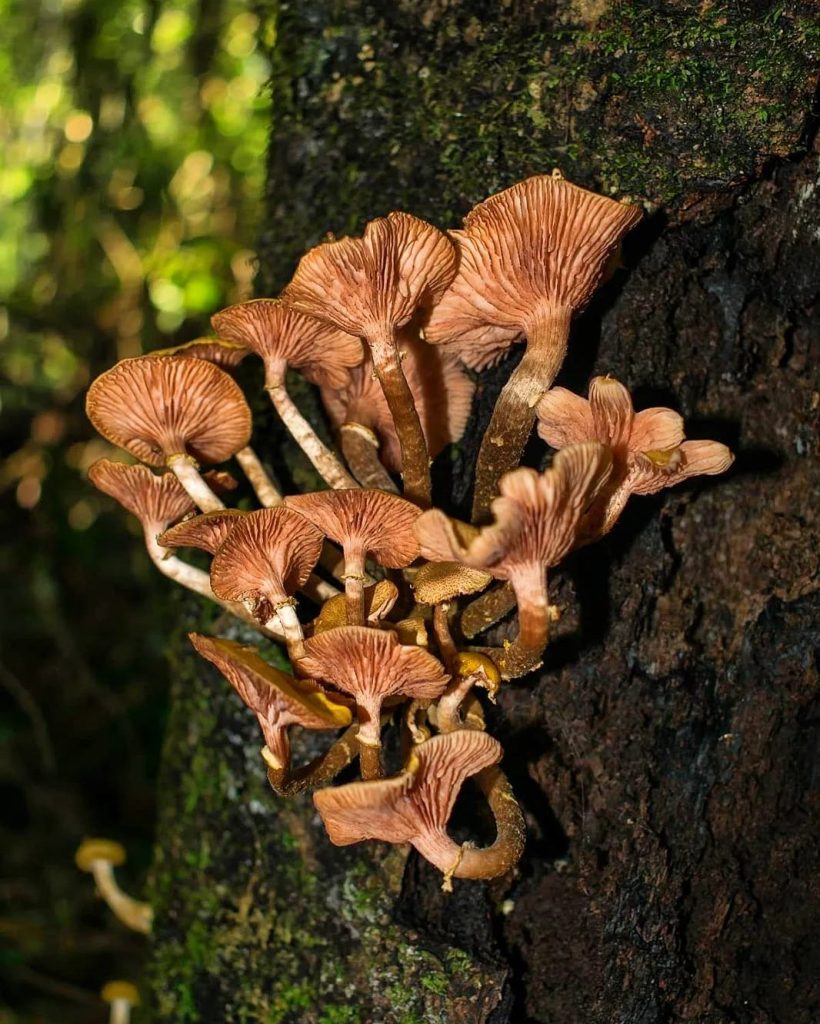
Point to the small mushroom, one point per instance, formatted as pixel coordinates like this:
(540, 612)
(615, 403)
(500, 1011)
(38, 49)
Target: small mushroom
(442, 392)
(530, 258)
(371, 665)
(415, 806)
(283, 337)
(372, 287)
(439, 583)
(363, 522)
(263, 561)
(536, 523)
(649, 452)
(161, 409)
(379, 599)
(99, 857)
(122, 997)
(277, 699)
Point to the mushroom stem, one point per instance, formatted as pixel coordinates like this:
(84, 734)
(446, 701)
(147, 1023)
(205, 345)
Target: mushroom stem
(323, 459)
(370, 762)
(185, 470)
(525, 653)
(360, 447)
(291, 628)
(505, 852)
(320, 771)
(514, 412)
(354, 580)
(120, 1012)
(486, 610)
(318, 590)
(415, 458)
(200, 583)
(259, 480)
(131, 912)
(448, 716)
(441, 627)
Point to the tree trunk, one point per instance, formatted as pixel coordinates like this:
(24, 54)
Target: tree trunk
(663, 755)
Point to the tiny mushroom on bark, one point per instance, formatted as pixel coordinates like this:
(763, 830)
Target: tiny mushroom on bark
(363, 522)
(379, 599)
(439, 583)
(99, 857)
(284, 338)
(536, 521)
(530, 257)
(122, 997)
(276, 698)
(415, 806)
(372, 665)
(648, 447)
(372, 287)
(161, 409)
(263, 561)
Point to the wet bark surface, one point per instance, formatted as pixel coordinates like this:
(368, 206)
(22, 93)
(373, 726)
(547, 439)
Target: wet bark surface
(665, 756)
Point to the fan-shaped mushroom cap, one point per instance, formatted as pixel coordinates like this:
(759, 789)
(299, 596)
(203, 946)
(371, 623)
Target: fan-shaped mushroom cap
(535, 518)
(542, 243)
(442, 390)
(374, 284)
(379, 599)
(283, 337)
(156, 499)
(415, 806)
(266, 558)
(655, 470)
(224, 354)
(91, 850)
(436, 582)
(370, 665)
(158, 407)
(276, 698)
(364, 521)
(207, 532)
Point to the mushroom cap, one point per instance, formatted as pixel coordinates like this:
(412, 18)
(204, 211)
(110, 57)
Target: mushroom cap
(283, 337)
(416, 803)
(267, 691)
(375, 283)
(160, 406)
(542, 243)
(654, 470)
(442, 581)
(224, 354)
(156, 499)
(114, 990)
(91, 850)
(536, 517)
(371, 663)
(368, 520)
(207, 531)
(442, 390)
(379, 599)
(266, 558)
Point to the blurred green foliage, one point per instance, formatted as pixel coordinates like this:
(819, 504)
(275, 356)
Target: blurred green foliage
(132, 142)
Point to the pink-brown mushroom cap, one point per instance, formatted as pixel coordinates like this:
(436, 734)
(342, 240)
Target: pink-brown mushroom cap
(156, 499)
(207, 531)
(160, 406)
(375, 283)
(283, 337)
(224, 354)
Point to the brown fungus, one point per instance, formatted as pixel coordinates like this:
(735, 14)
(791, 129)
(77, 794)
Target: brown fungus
(99, 857)
(372, 287)
(530, 258)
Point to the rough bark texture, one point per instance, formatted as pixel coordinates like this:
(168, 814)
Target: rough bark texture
(664, 756)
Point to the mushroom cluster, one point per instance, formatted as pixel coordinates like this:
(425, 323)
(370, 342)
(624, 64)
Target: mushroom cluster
(376, 594)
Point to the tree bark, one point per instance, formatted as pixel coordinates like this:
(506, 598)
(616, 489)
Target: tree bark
(663, 755)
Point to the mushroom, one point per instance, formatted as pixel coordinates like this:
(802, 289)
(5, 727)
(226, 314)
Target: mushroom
(536, 522)
(283, 337)
(262, 562)
(471, 668)
(648, 447)
(122, 997)
(439, 583)
(379, 599)
(157, 500)
(443, 395)
(363, 522)
(371, 665)
(161, 409)
(371, 287)
(99, 857)
(415, 806)
(276, 698)
(530, 257)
